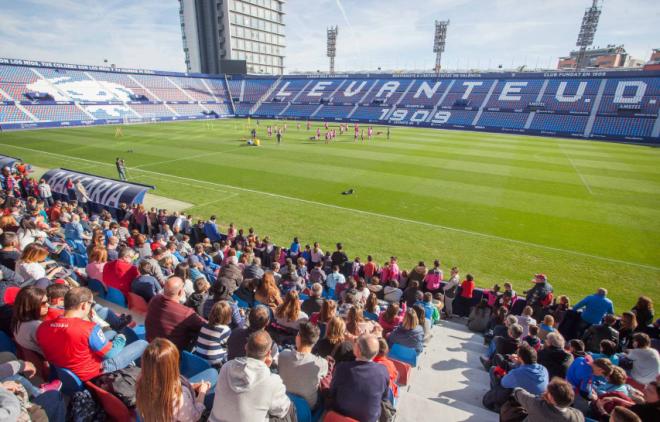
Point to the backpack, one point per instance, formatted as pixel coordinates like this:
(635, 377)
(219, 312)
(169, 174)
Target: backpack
(83, 408)
(547, 300)
(121, 384)
(451, 293)
(326, 381)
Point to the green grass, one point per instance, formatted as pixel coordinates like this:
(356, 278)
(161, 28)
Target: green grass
(501, 207)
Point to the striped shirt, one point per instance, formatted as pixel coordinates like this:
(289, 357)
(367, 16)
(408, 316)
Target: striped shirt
(212, 343)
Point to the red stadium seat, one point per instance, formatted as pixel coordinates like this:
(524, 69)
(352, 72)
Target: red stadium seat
(404, 370)
(333, 416)
(42, 365)
(136, 303)
(115, 408)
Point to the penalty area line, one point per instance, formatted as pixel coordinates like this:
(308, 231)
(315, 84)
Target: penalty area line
(362, 212)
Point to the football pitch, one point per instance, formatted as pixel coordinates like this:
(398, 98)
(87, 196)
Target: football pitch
(501, 207)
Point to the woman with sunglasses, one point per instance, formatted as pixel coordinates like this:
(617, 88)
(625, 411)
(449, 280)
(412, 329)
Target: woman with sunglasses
(30, 307)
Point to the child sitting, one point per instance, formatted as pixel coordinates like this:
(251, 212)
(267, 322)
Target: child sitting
(196, 300)
(212, 341)
(547, 326)
(533, 337)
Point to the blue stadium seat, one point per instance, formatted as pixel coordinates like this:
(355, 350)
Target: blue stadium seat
(303, 412)
(240, 302)
(134, 334)
(370, 315)
(97, 287)
(116, 296)
(70, 381)
(403, 354)
(192, 365)
(65, 257)
(6, 343)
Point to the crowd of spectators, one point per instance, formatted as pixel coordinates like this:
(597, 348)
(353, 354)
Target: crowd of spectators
(554, 362)
(274, 322)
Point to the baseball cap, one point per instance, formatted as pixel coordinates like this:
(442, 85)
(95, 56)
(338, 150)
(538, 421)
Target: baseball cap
(541, 277)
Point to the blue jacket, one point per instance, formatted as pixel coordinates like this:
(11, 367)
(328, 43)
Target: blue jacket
(533, 378)
(595, 308)
(146, 286)
(580, 374)
(428, 309)
(410, 338)
(211, 231)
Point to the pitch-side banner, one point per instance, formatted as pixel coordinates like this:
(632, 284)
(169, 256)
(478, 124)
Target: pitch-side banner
(7, 161)
(102, 191)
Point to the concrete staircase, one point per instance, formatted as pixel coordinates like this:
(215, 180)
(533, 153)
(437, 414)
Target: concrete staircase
(449, 381)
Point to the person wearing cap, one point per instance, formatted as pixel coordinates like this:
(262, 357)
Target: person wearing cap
(595, 306)
(537, 295)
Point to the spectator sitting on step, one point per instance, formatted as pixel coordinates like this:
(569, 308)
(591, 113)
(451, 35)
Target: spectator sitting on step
(168, 318)
(553, 356)
(526, 374)
(302, 371)
(121, 272)
(359, 387)
(313, 303)
(598, 332)
(553, 405)
(73, 342)
(410, 333)
(502, 346)
(247, 390)
(645, 361)
(146, 285)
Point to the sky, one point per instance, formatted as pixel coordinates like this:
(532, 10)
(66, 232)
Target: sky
(386, 34)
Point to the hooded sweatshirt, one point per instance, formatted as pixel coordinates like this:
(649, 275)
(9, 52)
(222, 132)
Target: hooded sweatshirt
(533, 378)
(248, 391)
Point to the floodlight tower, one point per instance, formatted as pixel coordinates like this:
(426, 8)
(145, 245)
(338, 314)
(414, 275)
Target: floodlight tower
(587, 31)
(332, 47)
(439, 42)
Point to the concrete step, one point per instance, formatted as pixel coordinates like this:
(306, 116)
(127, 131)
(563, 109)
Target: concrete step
(449, 381)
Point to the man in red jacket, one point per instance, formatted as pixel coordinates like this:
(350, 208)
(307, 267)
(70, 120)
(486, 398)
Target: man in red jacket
(168, 318)
(121, 272)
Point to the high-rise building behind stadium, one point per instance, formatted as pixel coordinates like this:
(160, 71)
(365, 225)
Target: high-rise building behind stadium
(217, 31)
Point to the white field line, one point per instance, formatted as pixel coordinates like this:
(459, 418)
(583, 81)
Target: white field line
(196, 182)
(207, 154)
(224, 198)
(584, 181)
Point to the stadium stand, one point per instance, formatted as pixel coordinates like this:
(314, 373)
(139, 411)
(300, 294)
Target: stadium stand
(11, 113)
(503, 120)
(187, 109)
(609, 105)
(152, 110)
(427, 346)
(58, 112)
(113, 111)
(567, 124)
